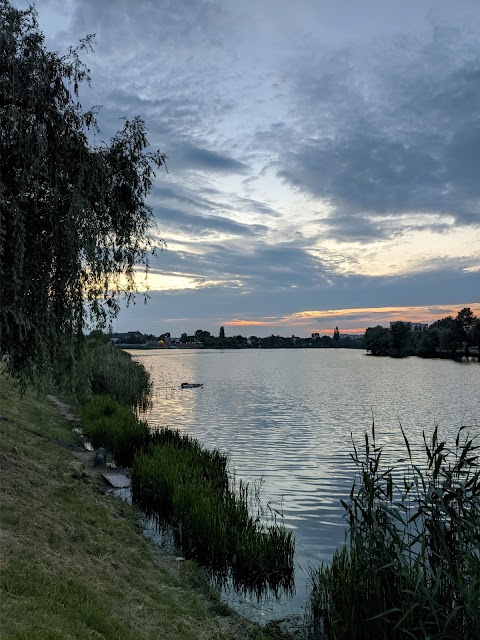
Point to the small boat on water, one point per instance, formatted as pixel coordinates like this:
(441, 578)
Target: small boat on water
(191, 385)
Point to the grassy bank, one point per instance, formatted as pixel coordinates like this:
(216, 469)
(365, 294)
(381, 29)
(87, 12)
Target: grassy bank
(74, 561)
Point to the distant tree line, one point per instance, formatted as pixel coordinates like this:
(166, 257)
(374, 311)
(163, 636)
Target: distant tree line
(449, 337)
(206, 339)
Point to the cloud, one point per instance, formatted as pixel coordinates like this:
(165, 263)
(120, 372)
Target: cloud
(286, 280)
(305, 147)
(201, 225)
(348, 228)
(205, 160)
(268, 269)
(388, 129)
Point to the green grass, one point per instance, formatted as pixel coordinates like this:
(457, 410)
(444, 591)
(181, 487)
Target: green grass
(74, 562)
(187, 488)
(115, 373)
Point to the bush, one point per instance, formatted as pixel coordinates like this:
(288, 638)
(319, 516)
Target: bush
(115, 373)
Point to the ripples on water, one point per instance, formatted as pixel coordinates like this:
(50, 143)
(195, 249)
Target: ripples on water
(287, 416)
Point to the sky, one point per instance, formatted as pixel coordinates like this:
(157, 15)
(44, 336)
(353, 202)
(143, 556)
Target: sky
(323, 157)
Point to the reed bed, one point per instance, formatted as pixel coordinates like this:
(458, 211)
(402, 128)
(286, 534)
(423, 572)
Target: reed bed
(411, 565)
(110, 425)
(115, 373)
(188, 489)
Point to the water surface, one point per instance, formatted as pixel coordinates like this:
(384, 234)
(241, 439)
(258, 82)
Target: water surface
(287, 416)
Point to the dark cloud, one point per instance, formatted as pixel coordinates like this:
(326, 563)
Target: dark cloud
(350, 228)
(223, 302)
(202, 226)
(255, 206)
(269, 268)
(206, 160)
(397, 133)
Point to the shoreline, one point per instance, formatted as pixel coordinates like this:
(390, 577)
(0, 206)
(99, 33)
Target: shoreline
(76, 563)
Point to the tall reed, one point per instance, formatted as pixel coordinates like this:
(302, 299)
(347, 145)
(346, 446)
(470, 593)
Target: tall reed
(108, 424)
(188, 488)
(114, 372)
(411, 565)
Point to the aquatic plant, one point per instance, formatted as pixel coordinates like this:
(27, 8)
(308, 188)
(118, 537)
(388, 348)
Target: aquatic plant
(108, 424)
(115, 373)
(411, 565)
(188, 488)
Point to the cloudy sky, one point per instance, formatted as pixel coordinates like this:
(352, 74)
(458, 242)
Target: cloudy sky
(323, 157)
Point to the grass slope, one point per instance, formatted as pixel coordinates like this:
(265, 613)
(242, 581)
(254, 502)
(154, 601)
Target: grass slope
(74, 562)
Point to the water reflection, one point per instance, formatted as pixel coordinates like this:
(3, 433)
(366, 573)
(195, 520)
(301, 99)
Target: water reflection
(288, 416)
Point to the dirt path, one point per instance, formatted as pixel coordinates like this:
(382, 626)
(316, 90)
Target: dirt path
(65, 410)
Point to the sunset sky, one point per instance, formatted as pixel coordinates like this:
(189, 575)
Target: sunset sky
(323, 157)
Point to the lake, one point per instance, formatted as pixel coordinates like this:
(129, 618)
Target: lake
(287, 416)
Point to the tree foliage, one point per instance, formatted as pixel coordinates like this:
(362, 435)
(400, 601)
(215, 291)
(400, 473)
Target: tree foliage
(447, 337)
(399, 339)
(74, 221)
(376, 340)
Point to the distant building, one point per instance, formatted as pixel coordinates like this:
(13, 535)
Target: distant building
(132, 337)
(172, 342)
(413, 326)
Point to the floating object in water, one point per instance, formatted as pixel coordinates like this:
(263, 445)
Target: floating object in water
(191, 385)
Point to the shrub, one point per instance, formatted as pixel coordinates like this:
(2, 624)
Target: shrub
(115, 373)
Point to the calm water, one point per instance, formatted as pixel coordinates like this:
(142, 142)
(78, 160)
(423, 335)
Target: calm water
(286, 416)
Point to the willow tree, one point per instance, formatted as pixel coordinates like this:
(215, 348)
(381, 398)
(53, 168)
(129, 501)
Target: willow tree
(74, 218)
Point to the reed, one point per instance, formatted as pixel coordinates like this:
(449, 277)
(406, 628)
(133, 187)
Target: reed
(108, 424)
(411, 565)
(113, 372)
(188, 489)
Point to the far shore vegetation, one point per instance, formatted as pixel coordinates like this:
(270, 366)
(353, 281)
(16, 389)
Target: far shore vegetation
(446, 338)
(202, 338)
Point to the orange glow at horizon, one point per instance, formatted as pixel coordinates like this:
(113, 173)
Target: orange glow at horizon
(420, 313)
(249, 323)
(372, 317)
